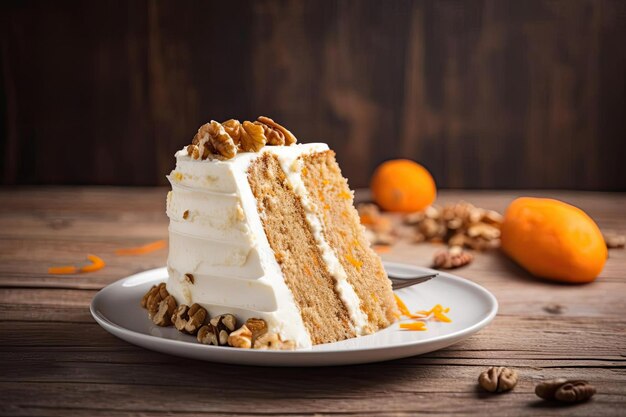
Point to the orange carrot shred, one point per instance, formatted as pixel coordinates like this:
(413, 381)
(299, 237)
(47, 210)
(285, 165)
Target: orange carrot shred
(416, 325)
(403, 308)
(366, 219)
(140, 250)
(429, 312)
(62, 270)
(97, 264)
(382, 248)
(441, 317)
(437, 311)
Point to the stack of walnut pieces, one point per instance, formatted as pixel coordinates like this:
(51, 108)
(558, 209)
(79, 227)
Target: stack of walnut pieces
(459, 225)
(225, 140)
(221, 330)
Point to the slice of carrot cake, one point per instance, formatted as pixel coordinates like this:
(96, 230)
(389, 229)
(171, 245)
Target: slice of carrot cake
(264, 228)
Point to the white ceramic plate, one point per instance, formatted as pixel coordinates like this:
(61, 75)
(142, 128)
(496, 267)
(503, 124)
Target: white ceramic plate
(116, 308)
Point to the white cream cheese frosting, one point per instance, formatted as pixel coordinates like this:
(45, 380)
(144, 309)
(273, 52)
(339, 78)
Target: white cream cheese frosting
(216, 234)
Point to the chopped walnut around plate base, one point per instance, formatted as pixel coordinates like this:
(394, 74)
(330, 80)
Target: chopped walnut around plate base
(221, 330)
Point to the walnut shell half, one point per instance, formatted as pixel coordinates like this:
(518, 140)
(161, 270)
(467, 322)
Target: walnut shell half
(163, 315)
(241, 338)
(223, 325)
(564, 390)
(189, 319)
(290, 139)
(221, 141)
(252, 137)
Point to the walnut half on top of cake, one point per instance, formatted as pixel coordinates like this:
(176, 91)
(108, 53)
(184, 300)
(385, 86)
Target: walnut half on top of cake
(267, 230)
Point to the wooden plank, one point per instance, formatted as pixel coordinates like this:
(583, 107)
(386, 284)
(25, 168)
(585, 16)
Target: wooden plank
(42, 298)
(43, 311)
(84, 360)
(29, 268)
(351, 392)
(539, 337)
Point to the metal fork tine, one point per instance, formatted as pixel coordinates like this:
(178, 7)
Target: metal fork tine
(397, 282)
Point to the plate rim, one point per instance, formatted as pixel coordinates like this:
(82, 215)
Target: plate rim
(454, 337)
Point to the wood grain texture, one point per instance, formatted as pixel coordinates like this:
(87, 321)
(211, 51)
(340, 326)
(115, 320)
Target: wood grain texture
(56, 361)
(485, 93)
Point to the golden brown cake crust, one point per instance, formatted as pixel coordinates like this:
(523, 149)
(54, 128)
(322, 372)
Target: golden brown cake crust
(329, 190)
(289, 236)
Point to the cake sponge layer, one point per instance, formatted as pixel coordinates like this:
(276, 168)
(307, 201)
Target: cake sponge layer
(342, 228)
(284, 222)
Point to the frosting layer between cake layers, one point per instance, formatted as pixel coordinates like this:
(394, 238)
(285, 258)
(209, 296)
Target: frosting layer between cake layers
(217, 236)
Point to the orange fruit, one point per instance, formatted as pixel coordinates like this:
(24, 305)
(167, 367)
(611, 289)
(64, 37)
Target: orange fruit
(403, 185)
(554, 240)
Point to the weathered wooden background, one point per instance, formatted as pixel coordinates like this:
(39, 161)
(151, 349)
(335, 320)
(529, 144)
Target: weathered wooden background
(487, 94)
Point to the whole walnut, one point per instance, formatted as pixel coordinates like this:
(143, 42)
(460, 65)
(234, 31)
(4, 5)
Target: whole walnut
(564, 390)
(498, 379)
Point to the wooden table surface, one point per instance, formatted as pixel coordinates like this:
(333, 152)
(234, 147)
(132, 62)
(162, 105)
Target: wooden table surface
(56, 361)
